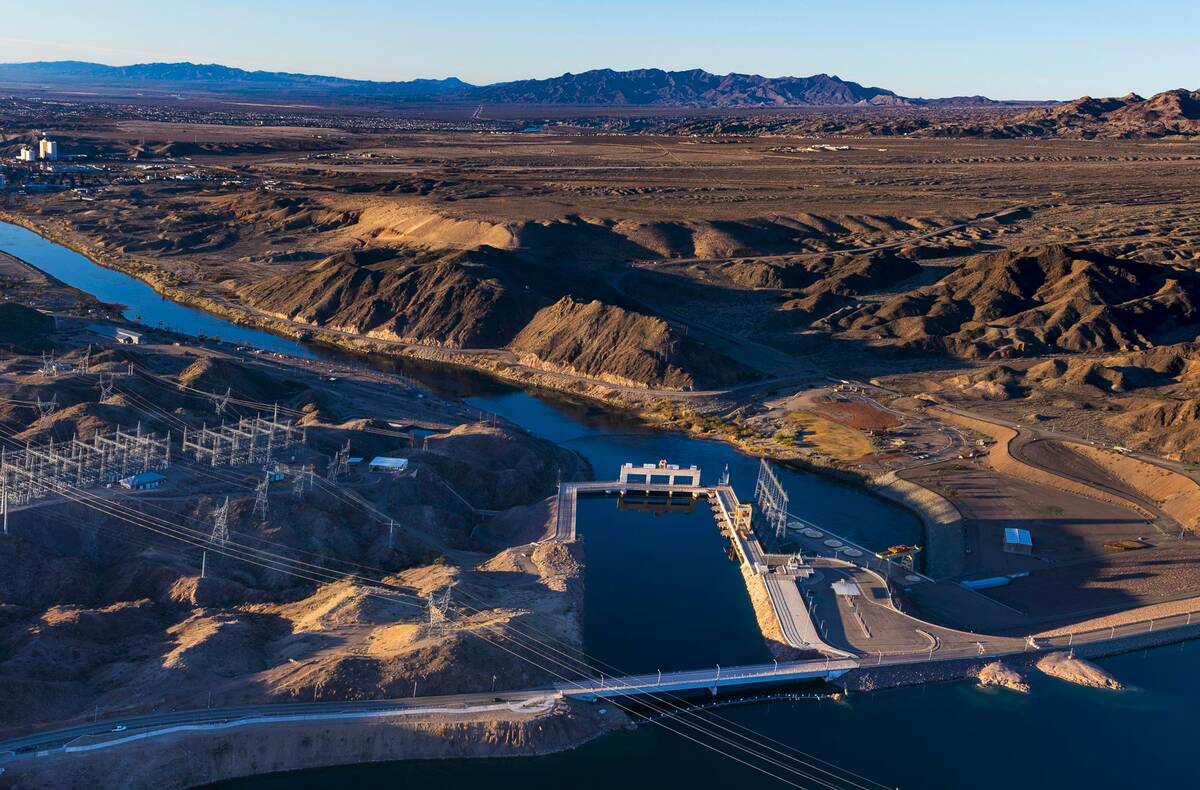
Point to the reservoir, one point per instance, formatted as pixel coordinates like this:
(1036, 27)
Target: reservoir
(938, 736)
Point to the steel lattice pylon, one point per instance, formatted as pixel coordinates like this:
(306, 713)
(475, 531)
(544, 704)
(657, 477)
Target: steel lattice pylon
(772, 499)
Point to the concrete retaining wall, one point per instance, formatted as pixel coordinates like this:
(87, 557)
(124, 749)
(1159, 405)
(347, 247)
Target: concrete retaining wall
(945, 536)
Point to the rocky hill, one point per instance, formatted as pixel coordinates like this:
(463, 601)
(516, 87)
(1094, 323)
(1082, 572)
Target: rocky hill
(490, 298)
(607, 342)
(1174, 112)
(1038, 301)
(474, 298)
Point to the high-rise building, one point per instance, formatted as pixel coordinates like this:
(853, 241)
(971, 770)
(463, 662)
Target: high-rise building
(47, 149)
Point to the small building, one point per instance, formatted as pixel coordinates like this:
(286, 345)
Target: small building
(1017, 541)
(143, 482)
(354, 460)
(129, 337)
(383, 463)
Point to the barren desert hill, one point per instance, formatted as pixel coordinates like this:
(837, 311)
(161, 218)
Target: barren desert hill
(23, 328)
(473, 298)
(489, 298)
(1173, 112)
(1037, 301)
(607, 342)
(95, 613)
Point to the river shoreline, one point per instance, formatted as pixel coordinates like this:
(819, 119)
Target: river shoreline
(522, 376)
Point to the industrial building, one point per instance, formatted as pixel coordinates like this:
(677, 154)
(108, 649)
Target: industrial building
(1017, 541)
(143, 482)
(47, 149)
(383, 463)
(129, 337)
(27, 154)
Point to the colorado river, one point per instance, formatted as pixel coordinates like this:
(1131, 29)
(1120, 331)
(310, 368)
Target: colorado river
(942, 736)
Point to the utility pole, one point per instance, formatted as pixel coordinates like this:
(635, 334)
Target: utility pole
(204, 563)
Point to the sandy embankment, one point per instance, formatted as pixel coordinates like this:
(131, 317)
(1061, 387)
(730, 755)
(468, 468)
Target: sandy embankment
(1001, 459)
(1178, 495)
(198, 758)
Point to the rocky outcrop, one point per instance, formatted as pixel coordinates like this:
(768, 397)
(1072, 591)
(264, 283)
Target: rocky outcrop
(473, 298)
(1037, 301)
(610, 343)
(1076, 670)
(998, 674)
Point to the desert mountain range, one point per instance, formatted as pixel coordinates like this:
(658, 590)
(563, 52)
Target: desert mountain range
(640, 87)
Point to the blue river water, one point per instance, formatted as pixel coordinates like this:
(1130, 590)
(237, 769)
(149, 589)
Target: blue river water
(950, 735)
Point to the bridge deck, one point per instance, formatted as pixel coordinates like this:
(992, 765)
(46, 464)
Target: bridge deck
(712, 678)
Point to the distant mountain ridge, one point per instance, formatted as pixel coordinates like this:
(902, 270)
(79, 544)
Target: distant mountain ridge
(694, 88)
(218, 78)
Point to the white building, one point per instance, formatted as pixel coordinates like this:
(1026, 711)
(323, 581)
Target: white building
(383, 463)
(47, 149)
(26, 154)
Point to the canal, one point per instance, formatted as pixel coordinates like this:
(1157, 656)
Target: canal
(939, 736)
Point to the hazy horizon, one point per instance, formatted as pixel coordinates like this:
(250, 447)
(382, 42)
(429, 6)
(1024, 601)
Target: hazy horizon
(1047, 51)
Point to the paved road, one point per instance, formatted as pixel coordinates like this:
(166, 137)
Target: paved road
(249, 714)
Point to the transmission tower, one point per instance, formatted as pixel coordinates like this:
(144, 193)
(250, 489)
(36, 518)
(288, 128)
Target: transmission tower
(46, 408)
(260, 496)
(106, 388)
(84, 363)
(220, 533)
(772, 499)
(49, 366)
(439, 608)
(221, 401)
(340, 463)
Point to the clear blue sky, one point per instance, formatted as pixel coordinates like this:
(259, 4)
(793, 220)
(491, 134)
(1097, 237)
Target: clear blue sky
(1003, 48)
